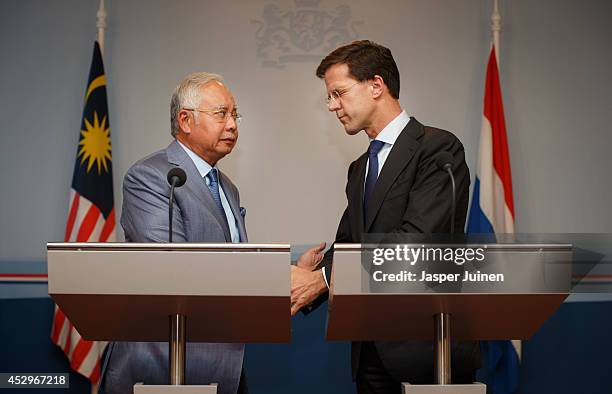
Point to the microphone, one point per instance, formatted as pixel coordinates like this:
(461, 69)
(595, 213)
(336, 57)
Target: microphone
(176, 178)
(445, 162)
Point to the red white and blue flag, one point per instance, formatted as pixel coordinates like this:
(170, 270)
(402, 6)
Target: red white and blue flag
(91, 215)
(492, 211)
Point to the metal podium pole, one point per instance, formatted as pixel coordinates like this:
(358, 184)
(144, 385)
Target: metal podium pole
(177, 349)
(442, 348)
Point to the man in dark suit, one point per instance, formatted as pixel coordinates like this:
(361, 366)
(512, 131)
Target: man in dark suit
(394, 188)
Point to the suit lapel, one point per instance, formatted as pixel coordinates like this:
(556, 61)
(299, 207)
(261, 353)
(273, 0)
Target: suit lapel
(177, 156)
(355, 193)
(401, 153)
(232, 199)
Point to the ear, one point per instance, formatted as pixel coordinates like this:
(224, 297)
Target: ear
(183, 121)
(378, 86)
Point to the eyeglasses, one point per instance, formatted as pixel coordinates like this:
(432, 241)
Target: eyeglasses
(336, 94)
(221, 115)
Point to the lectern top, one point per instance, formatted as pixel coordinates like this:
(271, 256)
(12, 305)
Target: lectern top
(507, 294)
(492, 246)
(126, 291)
(186, 246)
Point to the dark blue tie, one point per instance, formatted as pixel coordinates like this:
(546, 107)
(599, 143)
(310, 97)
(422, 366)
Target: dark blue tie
(213, 186)
(375, 147)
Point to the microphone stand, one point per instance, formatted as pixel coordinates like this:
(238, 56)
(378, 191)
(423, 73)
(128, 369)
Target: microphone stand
(171, 208)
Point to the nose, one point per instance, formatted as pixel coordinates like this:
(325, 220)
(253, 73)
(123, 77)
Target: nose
(333, 105)
(231, 124)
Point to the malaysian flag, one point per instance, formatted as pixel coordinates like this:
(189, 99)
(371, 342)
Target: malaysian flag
(492, 211)
(91, 216)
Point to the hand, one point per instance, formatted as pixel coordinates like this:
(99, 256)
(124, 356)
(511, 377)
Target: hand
(312, 257)
(306, 286)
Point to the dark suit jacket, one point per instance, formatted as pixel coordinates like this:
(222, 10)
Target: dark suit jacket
(412, 195)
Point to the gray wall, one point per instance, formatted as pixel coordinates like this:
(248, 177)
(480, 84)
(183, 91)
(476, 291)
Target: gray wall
(292, 156)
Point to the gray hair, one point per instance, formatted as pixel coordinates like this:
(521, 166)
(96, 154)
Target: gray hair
(187, 95)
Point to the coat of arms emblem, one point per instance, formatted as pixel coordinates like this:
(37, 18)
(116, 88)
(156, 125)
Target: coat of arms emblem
(306, 33)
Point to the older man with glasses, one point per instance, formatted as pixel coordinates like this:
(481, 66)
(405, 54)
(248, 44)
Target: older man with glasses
(204, 123)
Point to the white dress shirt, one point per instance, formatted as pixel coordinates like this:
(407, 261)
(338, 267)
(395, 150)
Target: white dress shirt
(388, 135)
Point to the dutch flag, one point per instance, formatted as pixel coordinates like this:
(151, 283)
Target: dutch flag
(492, 211)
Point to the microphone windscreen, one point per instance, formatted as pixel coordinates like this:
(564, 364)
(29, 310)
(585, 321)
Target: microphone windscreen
(444, 160)
(178, 173)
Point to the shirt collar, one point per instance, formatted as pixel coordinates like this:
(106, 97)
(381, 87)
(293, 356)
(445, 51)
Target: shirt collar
(201, 164)
(391, 131)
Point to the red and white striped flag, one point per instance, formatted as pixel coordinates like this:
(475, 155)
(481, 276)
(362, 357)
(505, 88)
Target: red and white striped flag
(91, 216)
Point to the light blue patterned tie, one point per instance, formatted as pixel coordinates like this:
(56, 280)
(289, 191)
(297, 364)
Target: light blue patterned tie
(213, 186)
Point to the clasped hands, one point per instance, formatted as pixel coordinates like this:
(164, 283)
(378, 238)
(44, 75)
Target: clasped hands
(307, 282)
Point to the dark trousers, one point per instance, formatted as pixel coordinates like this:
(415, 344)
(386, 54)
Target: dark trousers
(242, 386)
(373, 378)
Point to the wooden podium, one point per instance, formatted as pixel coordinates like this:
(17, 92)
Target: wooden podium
(537, 279)
(180, 293)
